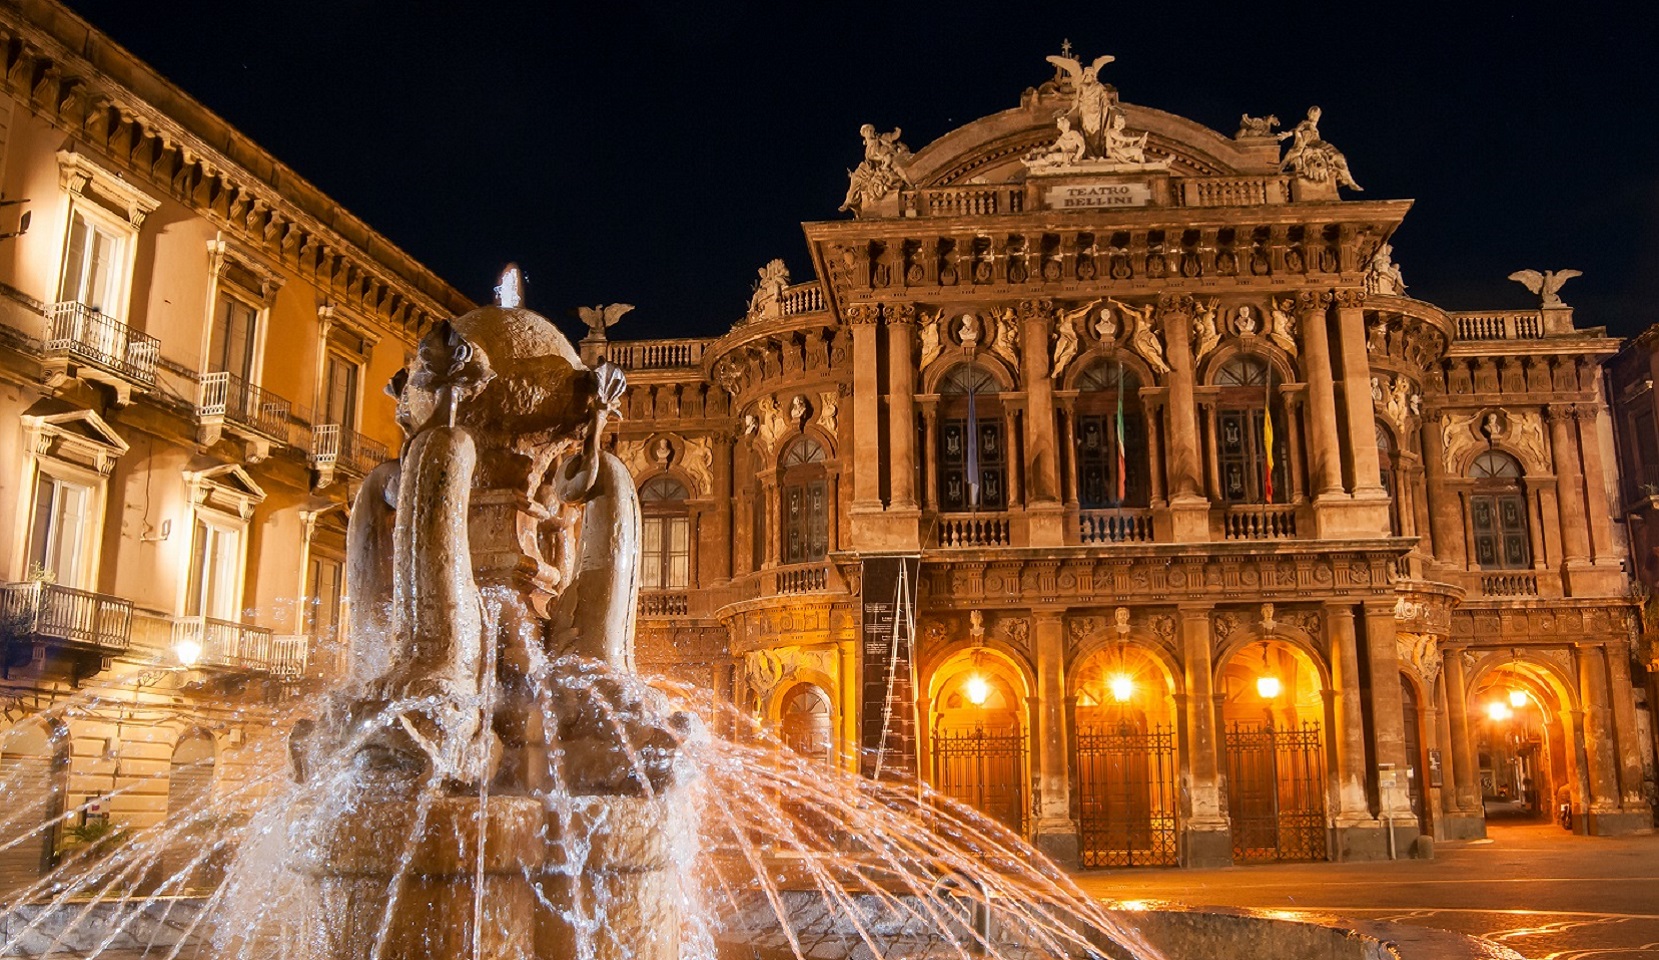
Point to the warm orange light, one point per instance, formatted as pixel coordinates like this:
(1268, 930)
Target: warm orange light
(1122, 687)
(1497, 711)
(1267, 687)
(188, 652)
(1517, 698)
(977, 690)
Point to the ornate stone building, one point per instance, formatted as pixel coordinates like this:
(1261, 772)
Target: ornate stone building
(191, 342)
(1229, 549)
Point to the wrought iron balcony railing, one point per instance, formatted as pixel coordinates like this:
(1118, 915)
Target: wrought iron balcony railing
(77, 331)
(337, 448)
(229, 396)
(47, 611)
(227, 645)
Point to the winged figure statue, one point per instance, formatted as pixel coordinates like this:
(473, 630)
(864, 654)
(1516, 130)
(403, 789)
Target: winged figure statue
(1545, 284)
(601, 317)
(1090, 99)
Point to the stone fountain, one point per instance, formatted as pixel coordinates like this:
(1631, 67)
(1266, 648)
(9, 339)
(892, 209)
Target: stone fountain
(497, 789)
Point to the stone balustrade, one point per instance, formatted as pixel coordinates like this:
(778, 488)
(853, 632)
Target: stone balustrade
(658, 354)
(1124, 525)
(975, 530)
(1512, 325)
(1267, 521)
(1519, 583)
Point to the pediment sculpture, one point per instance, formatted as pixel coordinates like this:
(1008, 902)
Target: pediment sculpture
(1092, 132)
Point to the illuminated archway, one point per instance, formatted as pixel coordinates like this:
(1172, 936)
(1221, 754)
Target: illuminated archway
(978, 734)
(1520, 712)
(1124, 758)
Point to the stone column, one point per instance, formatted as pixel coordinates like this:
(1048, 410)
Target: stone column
(1599, 749)
(1189, 509)
(1045, 513)
(1055, 832)
(901, 409)
(867, 457)
(1155, 449)
(1624, 723)
(1357, 835)
(1298, 456)
(1602, 547)
(1324, 452)
(1445, 509)
(1388, 734)
(1467, 776)
(1356, 395)
(722, 493)
(930, 455)
(1569, 486)
(1207, 841)
(847, 667)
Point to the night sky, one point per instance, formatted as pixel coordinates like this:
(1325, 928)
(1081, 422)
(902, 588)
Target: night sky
(659, 155)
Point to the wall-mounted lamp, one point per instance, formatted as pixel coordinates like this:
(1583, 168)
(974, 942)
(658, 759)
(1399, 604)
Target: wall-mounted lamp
(165, 532)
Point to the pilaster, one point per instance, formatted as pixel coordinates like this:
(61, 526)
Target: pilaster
(1055, 832)
(1206, 834)
(1044, 511)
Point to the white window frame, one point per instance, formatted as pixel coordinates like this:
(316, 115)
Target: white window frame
(222, 256)
(93, 193)
(223, 498)
(83, 456)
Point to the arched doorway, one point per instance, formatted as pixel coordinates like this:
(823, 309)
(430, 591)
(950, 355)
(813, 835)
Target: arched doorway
(1522, 738)
(1273, 712)
(1125, 759)
(978, 734)
(189, 795)
(805, 722)
(1416, 786)
(34, 758)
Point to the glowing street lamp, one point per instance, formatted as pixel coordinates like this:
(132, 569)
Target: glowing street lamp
(1267, 687)
(188, 652)
(1517, 698)
(977, 689)
(1498, 711)
(1122, 687)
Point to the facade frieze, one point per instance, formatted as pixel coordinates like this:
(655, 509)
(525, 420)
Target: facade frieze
(1542, 621)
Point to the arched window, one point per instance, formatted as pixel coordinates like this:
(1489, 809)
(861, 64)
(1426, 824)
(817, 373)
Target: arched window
(665, 535)
(805, 722)
(1251, 437)
(1498, 513)
(1110, 435)
(804, 487)
(972, 454)
(1389, 468)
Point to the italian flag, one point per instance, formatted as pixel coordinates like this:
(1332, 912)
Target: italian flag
(1123, 462)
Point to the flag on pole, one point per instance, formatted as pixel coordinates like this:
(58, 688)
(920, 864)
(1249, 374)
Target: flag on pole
(1267, 437)
(971, 467)
(1123, 461)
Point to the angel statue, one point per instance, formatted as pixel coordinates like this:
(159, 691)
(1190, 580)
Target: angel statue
(882, 171)
(1204, 332)
(1090, 99)
(1065, 335)
(1545, 284)
(766, 300)
(1144, 337)
(1312, 158)
(602, 317)
(1282, 328)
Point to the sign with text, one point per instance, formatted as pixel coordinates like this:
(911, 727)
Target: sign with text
(1093, 196)
(887, 633)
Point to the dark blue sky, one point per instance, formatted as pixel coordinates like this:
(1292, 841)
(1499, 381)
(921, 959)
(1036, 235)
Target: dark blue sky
(658, 154)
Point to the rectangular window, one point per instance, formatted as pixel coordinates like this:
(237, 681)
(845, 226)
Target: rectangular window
(1500, 531)
(231, 348)
(1243, 456)
(57, 538)
(665, 553)
(340, 402)
(93, 265)
(1097, 462)
(806, 521)
(216, 558)
(325, 583)
(956, 473)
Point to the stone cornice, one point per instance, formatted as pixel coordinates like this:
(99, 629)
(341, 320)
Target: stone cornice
(134, 122)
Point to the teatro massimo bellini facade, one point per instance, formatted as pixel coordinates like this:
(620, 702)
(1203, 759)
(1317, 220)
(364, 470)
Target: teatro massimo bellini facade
(1207, 543)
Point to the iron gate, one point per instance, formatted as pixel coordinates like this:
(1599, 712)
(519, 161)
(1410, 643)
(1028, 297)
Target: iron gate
(1126, 796)
(1276, 792)
(985, 769)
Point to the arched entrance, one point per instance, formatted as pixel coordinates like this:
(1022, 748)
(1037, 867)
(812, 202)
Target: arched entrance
(805, 722)
(189, 794)
(1125, 759)
(1522, 738)
(978, 731)
(1273, 712)
(1416, 784)
(34, 757)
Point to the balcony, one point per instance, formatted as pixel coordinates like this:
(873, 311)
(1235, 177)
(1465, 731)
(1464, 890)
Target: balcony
(975, 530)
(1516, 325)
(1123, 525)
(257, 415)
(1519, 583)
(663, 603)
(655, 354)
(335, 449)
(84, 342)
(1267, 521)
(63, 615)
(209, 643)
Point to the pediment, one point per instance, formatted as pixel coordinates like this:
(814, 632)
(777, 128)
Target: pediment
(72, 434)
(224, 486)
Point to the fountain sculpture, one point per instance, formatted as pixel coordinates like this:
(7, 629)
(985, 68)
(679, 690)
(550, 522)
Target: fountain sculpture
(490, 564)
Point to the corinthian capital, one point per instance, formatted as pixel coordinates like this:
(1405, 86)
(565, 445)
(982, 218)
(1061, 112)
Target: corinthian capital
(859, 314)
(1307, 301)
(1043, 308)
(897, 314)
(1350, 299)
